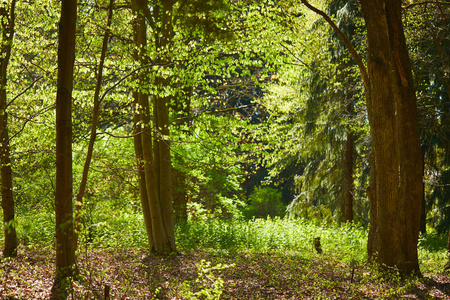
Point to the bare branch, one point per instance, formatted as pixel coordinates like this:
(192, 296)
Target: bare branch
(410, 5)
(353, 52)
(24, 91)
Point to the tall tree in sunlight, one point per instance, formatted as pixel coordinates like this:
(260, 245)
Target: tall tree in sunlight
(7, 22)
(65, 251)
(152, 131)
(395, 189)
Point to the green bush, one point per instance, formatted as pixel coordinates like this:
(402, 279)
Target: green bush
(265, 202)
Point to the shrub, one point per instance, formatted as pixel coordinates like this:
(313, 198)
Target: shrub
(265, 202)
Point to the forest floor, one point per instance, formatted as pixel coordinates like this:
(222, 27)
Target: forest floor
(132, 274)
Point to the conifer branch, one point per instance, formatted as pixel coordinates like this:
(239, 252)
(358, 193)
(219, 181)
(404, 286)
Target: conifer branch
(353, 52)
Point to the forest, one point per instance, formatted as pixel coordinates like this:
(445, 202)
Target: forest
(225, 149)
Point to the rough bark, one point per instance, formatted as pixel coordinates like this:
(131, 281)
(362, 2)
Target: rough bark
(65, 251)
(395, 189)
(10, 244)
(392, 107)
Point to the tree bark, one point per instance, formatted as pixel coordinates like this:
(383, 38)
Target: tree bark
(395, 189)
(161, 123)
(153, 137)
(392, 111)
(10, 245)
(65, 251)
(349, 186)
(348, 167)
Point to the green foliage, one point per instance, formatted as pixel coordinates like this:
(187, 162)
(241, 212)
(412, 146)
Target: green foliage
(265, 202)
(207, 286)
(265, 235)
(313, 106)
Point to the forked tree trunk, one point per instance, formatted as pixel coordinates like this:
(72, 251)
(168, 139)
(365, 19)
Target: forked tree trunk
(65, 251)
(152, 156)
(10, 244)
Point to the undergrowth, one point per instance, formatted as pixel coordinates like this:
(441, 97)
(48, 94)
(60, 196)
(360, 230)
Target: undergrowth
(121, 229)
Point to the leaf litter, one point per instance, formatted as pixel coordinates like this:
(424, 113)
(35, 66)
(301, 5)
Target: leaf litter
(134, 274)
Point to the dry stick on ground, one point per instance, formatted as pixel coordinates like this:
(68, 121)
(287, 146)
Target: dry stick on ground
(95, 114)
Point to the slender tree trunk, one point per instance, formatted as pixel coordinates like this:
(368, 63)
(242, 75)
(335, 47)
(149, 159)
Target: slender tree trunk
(349, 186)
(143, 195)
(95, 114)
(393, 117)
(348, 168)
(10, 245)
(140, 41)
(423, 212)
(65, 251)
(179, 195)
(179, 188)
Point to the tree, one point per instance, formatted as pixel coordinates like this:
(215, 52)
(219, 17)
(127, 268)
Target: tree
(7, 22)
(93, 135)
(152, 145)
(65, 251)
(395, 189)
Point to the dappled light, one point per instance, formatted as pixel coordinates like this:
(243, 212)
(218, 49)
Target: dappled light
(227, 149)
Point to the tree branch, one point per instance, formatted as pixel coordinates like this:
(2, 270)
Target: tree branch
(24, 91)
(355, 55)
(410, 5)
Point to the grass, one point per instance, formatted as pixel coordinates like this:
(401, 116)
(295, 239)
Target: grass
(230, 259)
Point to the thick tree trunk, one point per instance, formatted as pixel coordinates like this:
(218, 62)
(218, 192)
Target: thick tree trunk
(10, 245)
(65, 251)
(162, 126)
(397, 160)
(395, 189)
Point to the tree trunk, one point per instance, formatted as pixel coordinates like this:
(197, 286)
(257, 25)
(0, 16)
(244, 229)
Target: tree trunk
(65, 251)
(140, 41)
(349, 188)
(397, 161)
(182, 107)
(155, 157)
(10, 245)
(161, 123)
(179, 195)
(93, 135)
(395, 189)
(348, 168)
